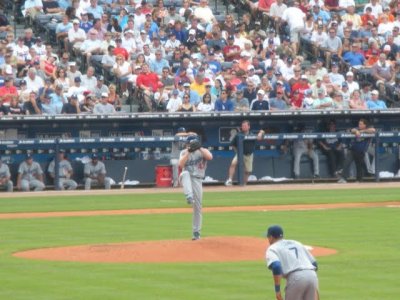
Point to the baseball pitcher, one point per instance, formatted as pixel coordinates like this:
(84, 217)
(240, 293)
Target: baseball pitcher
(193, 162)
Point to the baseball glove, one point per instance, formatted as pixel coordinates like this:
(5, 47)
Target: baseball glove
(194, 145)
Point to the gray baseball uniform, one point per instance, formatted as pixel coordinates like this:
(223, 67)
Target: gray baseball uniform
(29, 176)
(5, 173)
(64, 172)
(297, 268)
(94, 170)
(191, 180)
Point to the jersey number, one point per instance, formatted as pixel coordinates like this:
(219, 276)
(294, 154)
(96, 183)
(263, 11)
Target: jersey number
(295, 251)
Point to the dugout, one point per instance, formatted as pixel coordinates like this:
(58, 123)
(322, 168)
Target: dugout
(99, 133)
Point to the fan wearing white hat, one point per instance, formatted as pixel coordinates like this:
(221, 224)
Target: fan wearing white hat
(261, 102)
(374, 102)
(351, 83)
(103, 107)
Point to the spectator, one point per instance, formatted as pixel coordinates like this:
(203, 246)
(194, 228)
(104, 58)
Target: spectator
(91, 46)
(62, 31)
(352, 85)
(95, 174)
(148, 82)
(241, 104)
(382, 72)
(206, 105)
(8, 91)
(374, 102)
(322, 101)
(295, 19)
(103, 107)
(174, 102)
(100, 87)
(65, 172)
(76, 35)
(332, 46)
(354, 57)
(186, 106)
(30, 175)
(224, 103)
(260, 103)
(356, 102)
(72, 106)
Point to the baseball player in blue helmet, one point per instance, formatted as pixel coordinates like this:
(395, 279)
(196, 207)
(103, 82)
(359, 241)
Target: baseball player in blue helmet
(193, 162)
(291, 260)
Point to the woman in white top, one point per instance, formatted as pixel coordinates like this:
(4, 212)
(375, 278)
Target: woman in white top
(122, 70)
(62, 79)
(206, 105)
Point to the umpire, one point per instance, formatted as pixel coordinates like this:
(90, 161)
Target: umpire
(248, 149)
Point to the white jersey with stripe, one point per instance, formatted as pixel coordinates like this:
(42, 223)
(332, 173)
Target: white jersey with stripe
(292, 255)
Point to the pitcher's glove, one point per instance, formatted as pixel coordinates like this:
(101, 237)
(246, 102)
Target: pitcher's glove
(194, 145)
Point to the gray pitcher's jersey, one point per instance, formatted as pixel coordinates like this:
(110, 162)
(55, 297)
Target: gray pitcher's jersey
(292, 255)
(196, 165)
(94, 170)
(4, 171)
(29, 172)
(63, 169)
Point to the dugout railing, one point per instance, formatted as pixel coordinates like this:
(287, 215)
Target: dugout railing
(376, 139)
(94, 145)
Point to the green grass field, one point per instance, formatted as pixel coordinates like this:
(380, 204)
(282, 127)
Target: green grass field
(366, 266)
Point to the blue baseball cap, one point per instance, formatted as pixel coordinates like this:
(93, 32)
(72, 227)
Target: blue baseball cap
(191, 138)
(275, 231)
(181, 129)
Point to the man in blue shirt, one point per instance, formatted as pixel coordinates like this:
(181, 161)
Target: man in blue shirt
(224, 103)
(95, 9)
(85, 24)
(374, 102)
(354, 57)
(259, 103)
(318, 13)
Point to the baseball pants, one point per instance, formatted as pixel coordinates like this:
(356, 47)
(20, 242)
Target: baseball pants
(68, 184)
(301, 285)
(89, 182)
(193, 188)
(298, 153)
(9, 186)
(36, 185)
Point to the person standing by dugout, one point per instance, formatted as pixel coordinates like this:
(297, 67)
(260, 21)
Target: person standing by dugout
(193, 162)
(248, 149)
(358, 148)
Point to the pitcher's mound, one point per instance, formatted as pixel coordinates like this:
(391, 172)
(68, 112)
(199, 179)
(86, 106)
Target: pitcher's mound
(209, 249)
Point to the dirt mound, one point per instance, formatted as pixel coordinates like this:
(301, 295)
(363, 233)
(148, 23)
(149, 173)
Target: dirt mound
(209, 249)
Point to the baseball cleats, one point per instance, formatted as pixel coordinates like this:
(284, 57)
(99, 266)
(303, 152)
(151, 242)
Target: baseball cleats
(228, 182)
(189, 200)
(196, 236)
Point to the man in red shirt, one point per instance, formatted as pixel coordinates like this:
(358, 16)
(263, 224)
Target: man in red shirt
(8, 91)
(231, 51)
(148, 82)
(119, 50)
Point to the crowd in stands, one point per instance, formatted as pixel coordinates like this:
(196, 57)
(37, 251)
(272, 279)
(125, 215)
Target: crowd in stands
(93, 56)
